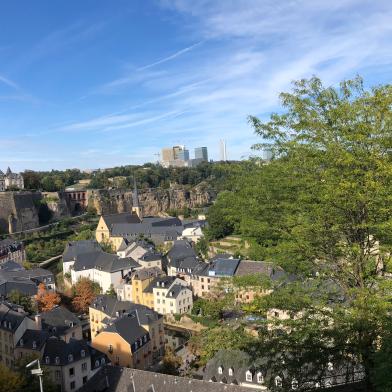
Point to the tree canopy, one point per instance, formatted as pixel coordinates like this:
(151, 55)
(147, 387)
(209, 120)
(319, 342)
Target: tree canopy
(322, 209)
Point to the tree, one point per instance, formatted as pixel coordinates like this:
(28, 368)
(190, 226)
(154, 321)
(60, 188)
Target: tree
(12, 381)
(171, 362)
(84, 293)
(111, 291)
(25, 301)
(46, 300)
(321, 209)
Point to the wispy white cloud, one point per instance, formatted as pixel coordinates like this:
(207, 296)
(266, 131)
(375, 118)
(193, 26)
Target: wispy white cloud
(171, 57)
(9, 82)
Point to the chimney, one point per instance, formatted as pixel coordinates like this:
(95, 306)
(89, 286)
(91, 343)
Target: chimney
(38, 322)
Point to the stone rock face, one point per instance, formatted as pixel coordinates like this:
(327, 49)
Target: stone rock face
(153, 201)
(18, 211)
(57, 204)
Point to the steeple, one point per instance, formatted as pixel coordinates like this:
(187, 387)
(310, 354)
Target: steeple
(135, 201)
(8, 171)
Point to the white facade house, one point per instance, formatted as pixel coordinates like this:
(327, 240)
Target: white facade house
(173, 298)
(193, 234)
(86, 260)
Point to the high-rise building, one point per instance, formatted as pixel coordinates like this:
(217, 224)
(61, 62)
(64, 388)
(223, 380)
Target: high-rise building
(223, 151)
(167, 154)
(175, 156)
(201, 153)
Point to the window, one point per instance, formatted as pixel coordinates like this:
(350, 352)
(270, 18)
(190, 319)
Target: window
(70, 358)
(72, 371)
(47, 360)
(220, 369)
(230, 371)
(249, 375)
(278, 381)
(259, 378)
(57, 360)
(110, 348)
(84, 380)
(57, 374)
(83, 353)
(158, 301)
(84, 367)
(72, 385)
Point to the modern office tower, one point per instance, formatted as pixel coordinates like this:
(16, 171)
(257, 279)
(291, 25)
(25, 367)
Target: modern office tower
(223, 151)
(175, 156)
(167, 154)
(201, 153)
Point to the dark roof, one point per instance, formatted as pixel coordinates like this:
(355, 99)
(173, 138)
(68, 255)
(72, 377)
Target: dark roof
(175, 290)
(58, 352)
(117, 379)
(88, 255)
(248, 267)
(11, 265)
(145, 273)
(125, 217)
(33, 339)
(128, 327)
(74, 249)
(222, 267)
(166, 281)
(110, 305)
(10, 316)
(59, 320)
(180, 250)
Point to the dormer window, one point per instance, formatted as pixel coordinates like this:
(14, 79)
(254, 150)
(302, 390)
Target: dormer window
(248, 375)
(47, 360)
(83, 353)
(34, 344)
(260, 378)
(220, 370)
(70, 358)
(330, 366)
(57, 360)
(102, 361)
(96, 363)
(21, 342)
(294, 384)
(231, 372)
(278, 382)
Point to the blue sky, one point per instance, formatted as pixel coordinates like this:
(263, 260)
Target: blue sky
(97, 83)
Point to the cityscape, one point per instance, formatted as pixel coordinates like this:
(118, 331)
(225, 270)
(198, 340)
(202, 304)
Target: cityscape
(196, 196)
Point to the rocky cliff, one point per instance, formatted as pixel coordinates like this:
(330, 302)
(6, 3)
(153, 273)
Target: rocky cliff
(18, 211)
(153, 201)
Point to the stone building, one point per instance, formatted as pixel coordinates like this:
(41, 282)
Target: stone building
(10, 180)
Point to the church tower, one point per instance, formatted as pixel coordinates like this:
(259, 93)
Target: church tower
(135, 201)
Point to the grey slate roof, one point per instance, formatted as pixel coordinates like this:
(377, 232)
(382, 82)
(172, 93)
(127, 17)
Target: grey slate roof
(166, 281)
(110, 305)
(74, 249)
(125, 217)
(13, 277)
(65, 352)
(59, 320)
(117, 379)
(128, 327)
(88, 255)
(10, 317)
(180, 250)
(175, 290)
(30, 336)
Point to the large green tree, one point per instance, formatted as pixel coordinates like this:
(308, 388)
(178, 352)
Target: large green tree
(322, 209)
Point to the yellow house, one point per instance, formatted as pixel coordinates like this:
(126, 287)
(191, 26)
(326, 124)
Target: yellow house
(140, 280)
(103, 232)
(117, 327)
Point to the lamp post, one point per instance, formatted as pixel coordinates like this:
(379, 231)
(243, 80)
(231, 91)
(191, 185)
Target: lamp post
(36, 372)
